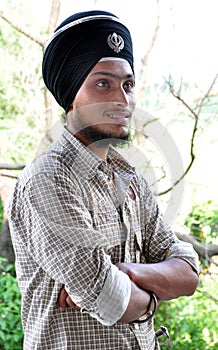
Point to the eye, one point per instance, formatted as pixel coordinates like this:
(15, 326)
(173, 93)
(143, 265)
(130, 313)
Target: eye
(102, 83)
(129, 85)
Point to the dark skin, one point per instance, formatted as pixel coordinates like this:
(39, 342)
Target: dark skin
(136, 308)
(168, 280)
(110, 89)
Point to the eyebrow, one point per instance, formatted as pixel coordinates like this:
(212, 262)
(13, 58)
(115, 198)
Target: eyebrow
(112, 75)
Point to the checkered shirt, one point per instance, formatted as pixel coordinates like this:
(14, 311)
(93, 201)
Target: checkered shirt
(72, 218)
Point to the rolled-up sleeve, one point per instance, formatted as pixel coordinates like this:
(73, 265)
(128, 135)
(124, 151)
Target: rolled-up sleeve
(185, 251)
(113, 299)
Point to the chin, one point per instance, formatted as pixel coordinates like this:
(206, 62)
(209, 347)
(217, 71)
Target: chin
(92, 133)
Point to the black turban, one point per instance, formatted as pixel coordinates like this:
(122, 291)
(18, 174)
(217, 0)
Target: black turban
(76, 46)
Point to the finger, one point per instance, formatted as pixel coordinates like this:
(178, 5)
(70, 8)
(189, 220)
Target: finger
(62, 299)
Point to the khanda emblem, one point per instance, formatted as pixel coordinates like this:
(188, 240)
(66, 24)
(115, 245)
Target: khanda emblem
(115, 42)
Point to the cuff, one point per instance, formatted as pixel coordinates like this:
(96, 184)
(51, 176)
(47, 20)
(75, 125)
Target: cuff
(185, 251)
(114, 297)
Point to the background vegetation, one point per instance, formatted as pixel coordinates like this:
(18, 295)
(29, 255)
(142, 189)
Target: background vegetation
(11, 333)
(185, 103)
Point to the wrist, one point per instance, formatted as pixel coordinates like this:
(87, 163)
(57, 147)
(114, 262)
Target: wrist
(150, 310)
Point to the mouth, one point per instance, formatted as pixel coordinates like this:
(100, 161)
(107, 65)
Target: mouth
(120, 117)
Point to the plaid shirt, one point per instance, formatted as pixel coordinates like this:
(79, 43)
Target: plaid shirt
(72, 218)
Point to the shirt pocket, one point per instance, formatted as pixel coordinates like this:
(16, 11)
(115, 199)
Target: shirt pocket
(107, 221)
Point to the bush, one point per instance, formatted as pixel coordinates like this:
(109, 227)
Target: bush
(191, 323)
(11, 332)
(203, 222)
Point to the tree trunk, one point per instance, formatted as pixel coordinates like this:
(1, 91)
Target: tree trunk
(51, 109)
(6, 248)
(6, 188)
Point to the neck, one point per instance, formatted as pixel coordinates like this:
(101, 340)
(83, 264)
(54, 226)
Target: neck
(101, 152)
(99, 148)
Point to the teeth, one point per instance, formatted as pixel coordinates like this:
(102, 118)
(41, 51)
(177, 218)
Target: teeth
(116, 116)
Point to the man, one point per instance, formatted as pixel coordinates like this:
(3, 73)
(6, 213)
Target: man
(93, 254)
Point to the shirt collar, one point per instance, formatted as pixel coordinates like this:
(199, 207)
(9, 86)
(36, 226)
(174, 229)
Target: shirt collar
(82, 158)
(87, 162)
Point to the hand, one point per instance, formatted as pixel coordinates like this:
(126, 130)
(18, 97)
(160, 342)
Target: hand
(65, 300)
(131, 269)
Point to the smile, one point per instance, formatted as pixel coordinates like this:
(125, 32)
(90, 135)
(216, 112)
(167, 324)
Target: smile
(117, 116)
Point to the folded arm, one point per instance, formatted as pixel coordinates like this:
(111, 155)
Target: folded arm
(168, 279)
(137, 305)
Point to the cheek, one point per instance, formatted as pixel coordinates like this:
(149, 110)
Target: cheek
(79, 101)
(83, 97)
(87, 115)
(132, 101)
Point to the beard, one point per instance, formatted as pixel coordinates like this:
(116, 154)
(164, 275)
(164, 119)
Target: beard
(102, 139)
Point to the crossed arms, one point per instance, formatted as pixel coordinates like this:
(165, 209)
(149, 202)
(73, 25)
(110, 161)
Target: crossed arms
(169, 279)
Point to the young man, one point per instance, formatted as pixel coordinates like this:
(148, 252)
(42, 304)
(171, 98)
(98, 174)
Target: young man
(93, 254)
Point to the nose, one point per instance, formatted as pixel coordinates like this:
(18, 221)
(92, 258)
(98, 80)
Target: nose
(121, 97)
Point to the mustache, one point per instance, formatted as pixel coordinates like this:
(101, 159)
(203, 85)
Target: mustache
(121, 110)
(104, 107)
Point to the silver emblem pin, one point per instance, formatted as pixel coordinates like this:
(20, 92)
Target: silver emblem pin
(115, 42)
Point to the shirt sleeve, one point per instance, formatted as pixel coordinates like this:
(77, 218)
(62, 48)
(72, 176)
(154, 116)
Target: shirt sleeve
(185, 251)
(57, 231)
(113, 299)
(161, 242)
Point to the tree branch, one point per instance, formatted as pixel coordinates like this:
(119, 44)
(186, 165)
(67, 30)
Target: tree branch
(15, 166)
(22, 30)
(205, 252)
(54, 14)
(144, 60)
(208, 295)
(196, 115)
(8, 175)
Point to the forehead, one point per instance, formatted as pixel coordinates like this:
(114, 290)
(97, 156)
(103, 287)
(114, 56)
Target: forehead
(119, 68)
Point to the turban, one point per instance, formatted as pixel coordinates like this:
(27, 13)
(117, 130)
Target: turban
(75, 47)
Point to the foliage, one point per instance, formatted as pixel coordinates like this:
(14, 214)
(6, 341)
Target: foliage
(189, 322)
(203, 221)
(11, 333)
(1, 214)
(203, 224)
(21, 118)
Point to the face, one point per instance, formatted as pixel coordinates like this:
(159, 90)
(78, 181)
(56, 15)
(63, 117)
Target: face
(103, 107)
